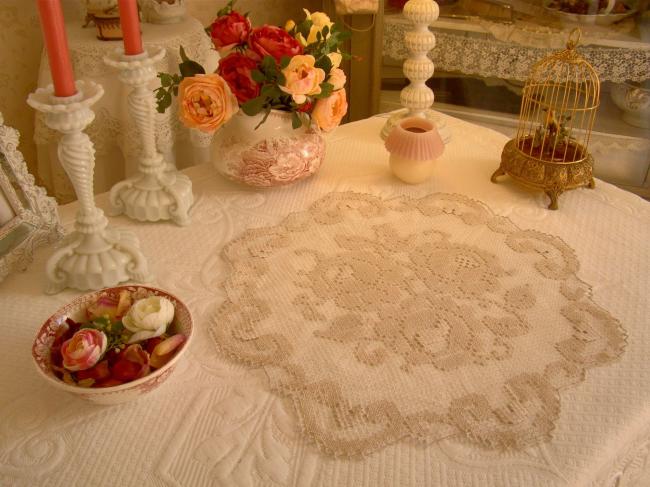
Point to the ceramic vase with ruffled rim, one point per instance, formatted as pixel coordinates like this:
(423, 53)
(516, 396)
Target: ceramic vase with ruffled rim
(414, 145)
(273, 154)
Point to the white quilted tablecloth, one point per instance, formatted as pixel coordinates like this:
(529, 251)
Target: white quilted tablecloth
(215, 423)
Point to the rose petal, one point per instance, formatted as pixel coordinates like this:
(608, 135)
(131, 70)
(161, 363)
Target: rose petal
(98, 372)
(132, 364)
(164, 351)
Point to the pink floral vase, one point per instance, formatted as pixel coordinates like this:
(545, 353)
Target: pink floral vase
(274, 154)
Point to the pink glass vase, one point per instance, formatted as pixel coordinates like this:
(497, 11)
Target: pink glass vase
(414, 145)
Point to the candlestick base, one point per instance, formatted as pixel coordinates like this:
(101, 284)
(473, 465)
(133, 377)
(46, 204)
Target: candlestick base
(96, 258)
(93, 256)
(158, 191)
(435, 118)
(161, 193)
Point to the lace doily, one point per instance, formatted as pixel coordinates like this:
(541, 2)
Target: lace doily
(485, 56)
(412, 318)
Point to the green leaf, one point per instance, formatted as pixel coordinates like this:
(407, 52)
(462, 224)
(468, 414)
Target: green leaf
(190, 68)
(266, 115)
(268, 65)
(304, 27)
(254, 106)
(284, 62)
(184, 57)
(325, 90)
(258, 76)
(325, 63)
(165, 79)
(227, 9)
(295, 120)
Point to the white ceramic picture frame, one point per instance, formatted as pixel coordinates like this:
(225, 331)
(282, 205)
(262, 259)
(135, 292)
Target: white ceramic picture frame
(28, 217)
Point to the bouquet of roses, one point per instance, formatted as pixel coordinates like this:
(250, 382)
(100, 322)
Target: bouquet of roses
(294, 69)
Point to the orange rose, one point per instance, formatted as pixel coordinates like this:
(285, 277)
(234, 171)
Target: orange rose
(329, 111)
(206, 102)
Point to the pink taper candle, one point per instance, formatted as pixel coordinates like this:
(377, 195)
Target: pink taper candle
(130, 27)
(56, 45)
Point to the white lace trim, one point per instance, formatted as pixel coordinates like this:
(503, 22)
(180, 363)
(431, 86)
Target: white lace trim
(486, 56)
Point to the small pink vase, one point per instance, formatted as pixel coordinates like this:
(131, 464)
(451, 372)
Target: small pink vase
(414, 145)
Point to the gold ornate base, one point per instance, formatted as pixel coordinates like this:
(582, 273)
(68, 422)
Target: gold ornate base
(551, 177)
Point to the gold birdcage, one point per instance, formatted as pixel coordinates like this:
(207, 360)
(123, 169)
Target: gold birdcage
(558, 109)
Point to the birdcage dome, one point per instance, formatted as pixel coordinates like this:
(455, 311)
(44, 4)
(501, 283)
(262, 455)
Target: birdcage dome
(558, 110)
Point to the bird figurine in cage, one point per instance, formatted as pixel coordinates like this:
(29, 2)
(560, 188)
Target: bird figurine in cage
(558, 109)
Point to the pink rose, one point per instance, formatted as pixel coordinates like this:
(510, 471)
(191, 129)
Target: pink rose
(329, 111)
(236, 69)
(273, 41)
(230, 30)
(206, 102)
(84, 349)
(302, 79)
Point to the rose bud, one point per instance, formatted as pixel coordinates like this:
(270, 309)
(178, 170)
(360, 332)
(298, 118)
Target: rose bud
(84, 349)
(230, 30)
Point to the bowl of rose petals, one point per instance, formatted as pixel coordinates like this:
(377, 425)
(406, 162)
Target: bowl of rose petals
(113, 345)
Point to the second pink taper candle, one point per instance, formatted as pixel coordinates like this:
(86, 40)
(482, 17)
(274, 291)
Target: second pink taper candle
(130, 21)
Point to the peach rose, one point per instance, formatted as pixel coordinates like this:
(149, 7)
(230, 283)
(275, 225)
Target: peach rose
(329, 111)
(302, 78)
(337, 78)
(84, 349)
(206, 102)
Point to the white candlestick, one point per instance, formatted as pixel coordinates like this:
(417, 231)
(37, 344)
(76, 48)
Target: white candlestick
(93, 256)
(157, 191)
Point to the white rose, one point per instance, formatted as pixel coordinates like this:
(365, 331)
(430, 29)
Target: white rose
(148, 318)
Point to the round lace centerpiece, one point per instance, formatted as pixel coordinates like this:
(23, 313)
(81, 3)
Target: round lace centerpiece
(421, 318)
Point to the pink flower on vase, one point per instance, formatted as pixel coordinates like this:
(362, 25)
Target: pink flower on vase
(84, 349)
(230, 30)
(270, 40)
(329, 111)
(236, 69)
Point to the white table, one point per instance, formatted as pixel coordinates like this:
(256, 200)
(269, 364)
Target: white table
(113, 132)
(215, 422)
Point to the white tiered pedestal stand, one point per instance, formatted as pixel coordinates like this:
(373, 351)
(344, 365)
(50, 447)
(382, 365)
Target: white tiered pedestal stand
(158, 191)
(417, 97)
(93, 256)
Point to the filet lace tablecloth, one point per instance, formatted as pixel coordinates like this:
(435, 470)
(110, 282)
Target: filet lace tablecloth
(216, 423)
(421, 318)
